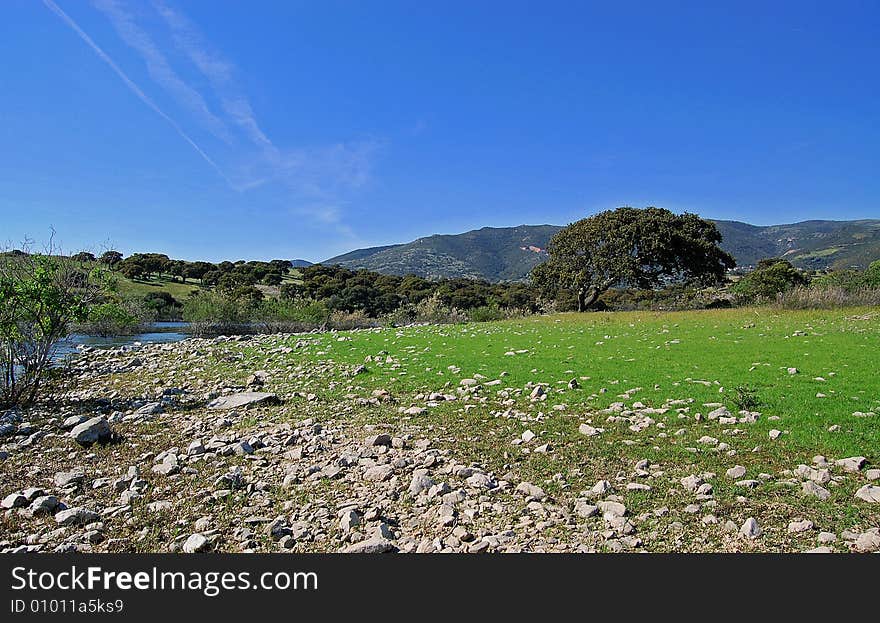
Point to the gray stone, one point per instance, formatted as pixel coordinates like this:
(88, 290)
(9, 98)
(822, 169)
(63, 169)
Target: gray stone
(601, 487)
(14, 500)
(802, 525)
(73, 420)
(32, 493)
(73, 477)
(530, 490)
(589, 431)
(44, 505)
(851, 464)
(869, 493)
(868, 541)
(420, 482)
(159, 506)
(349, 520)
(152, 408)
(750, 528)
(196, 543)
(242, 448)
(718, 413)
(691, 483)
(244, 400)
(374, 545)
(480, 481)
(615, 509)
(812, 489)
(378, 473)
(167, 467)
(76, 517)
(736, 472)
(584, 509)
(95, 430)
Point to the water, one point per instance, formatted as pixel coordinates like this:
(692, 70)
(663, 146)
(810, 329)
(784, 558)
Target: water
(158, 332)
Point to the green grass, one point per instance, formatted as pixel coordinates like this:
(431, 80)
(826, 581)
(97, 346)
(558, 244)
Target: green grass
(141, 287)
(645, 357)
(665, 354)
(681, 355)
(181, 291)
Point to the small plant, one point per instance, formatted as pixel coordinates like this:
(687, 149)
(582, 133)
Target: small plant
(746, 398)
(41, 296)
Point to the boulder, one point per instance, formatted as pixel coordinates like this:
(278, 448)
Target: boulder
(244, 400)
(95, 430)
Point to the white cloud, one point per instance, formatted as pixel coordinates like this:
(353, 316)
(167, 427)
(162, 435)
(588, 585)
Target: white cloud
(159, 68)
(132, 86)
(315, 179)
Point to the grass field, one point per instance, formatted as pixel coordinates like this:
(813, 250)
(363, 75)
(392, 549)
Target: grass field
(628, 358)
(646, 385)
(181, 291)
(141, 287)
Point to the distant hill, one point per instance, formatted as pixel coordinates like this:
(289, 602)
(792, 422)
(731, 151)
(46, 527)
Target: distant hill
(809, 244)
(493, 253)
(300, 263)
(509, 253)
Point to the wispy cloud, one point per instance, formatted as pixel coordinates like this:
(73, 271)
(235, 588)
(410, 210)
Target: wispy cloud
(220, 73)
(315, 172)
(315, 179)
(158, 66)
(134, 88)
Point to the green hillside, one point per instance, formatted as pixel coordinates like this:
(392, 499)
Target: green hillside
(509, 253)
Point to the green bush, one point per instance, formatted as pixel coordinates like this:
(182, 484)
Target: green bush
(41, 296)
(772, 277)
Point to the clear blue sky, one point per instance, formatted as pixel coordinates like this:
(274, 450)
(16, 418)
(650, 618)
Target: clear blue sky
(259, 130)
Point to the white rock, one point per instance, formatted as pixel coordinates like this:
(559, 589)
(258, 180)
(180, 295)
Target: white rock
(803, 525)
(14, 500)
(812, 489)
(374, 545)
(589, 431)
(750, 528)
(851, 464)
(736, 472)
(869, 493)
(95, 430)
(76, 516)
(195, 543)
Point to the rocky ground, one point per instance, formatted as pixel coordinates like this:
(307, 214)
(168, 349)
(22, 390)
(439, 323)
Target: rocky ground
(155, 449)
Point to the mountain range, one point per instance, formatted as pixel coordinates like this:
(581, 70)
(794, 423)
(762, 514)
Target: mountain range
(509, 253)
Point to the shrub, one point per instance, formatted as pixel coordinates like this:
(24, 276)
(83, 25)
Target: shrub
(116, 318)
(770, 278)
(41, 296)
(746, 398)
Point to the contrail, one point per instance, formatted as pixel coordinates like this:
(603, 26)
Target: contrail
(131, 85)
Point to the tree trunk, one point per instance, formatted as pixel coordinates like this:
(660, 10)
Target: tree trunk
(586, 297)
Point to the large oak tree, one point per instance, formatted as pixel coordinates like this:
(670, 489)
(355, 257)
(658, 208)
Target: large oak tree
(631, 247)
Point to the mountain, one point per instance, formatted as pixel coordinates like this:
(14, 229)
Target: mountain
(300, 263)
(509, 253)
(494, 253)
(808, 244)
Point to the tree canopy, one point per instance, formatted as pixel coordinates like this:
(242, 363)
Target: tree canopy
(631, 247)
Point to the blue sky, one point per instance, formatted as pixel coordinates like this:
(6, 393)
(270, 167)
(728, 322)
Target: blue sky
(259, 130)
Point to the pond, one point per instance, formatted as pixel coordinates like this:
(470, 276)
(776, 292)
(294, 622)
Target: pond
(157, 332)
